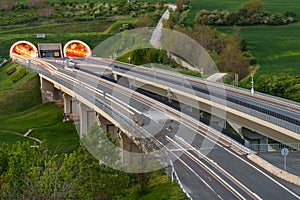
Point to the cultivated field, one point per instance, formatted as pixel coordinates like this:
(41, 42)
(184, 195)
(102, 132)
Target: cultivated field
(277, 48)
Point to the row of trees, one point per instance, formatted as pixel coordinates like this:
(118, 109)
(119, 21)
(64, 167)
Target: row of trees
(229, 53)
(285, 86)
(250, 13)
(33, 11)
(36, 173)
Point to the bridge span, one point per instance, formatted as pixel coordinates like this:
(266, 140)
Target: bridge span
(272, 117)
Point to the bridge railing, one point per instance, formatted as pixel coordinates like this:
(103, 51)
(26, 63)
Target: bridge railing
(274, 147)
(252, 112)
(257, 93)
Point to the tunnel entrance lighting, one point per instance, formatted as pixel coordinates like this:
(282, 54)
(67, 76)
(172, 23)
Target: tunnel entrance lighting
(24, 48)
(76, 49)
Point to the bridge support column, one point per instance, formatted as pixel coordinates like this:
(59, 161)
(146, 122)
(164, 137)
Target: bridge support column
(115, 77)
(264, 141)
(257, 139)
(115, 132)
(215, 122)
(87, 118)
(48, 91)
(68, 106)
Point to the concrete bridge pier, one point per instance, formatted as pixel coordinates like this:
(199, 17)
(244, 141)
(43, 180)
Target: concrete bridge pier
(87, 118)
(256, 138)
(68, 107)
(48, 91)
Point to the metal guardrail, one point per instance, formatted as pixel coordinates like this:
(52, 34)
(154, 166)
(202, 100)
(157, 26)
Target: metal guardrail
(177, 180)
(274, 147)
(258, 93)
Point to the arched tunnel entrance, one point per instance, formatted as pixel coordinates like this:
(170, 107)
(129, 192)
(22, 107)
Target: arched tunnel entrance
(24, 48)
(76, 49)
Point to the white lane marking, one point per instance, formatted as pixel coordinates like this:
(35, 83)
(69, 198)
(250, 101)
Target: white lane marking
(272, 179)
(203, 165)
(246, 162)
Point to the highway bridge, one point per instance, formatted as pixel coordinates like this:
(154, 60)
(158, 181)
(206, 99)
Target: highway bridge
(207, 163)
(270, 116)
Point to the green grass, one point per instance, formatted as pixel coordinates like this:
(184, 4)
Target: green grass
(38, 116)
(46, 119)
(159, 187)
(11, 138)
(75, 27)
(277, 48)
(274, 6)
(114, 28)
(17, 91)
(61, 136)
(21, 109)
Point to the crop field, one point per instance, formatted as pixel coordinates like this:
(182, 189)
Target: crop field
(275, 6)
(277, 48)
(77, 27)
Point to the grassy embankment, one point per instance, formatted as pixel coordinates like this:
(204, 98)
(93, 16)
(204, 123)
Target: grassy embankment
(21, 109)
(277, 48)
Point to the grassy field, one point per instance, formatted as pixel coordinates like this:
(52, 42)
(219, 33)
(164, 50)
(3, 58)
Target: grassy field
(74, 27)
(275, 6)
(21, 109)
(277, 48)
(157, 187)
(46, 119)
(18, 91)
(11, 138)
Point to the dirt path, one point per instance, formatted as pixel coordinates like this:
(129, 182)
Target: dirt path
(25, 135)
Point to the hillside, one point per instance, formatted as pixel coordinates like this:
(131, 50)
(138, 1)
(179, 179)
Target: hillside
(277, 48)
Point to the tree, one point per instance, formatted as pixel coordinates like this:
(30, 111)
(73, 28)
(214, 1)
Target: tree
(38, 3)
(232, 58)
(179, 5)
(36, 173)
(251, 7)
(285, 86)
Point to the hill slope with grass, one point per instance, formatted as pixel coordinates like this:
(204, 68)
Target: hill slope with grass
(276, 48)
(21, 109)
